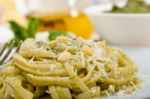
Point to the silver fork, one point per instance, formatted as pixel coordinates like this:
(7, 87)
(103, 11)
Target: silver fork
(7, 50)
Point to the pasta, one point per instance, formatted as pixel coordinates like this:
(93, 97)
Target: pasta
(67, 68)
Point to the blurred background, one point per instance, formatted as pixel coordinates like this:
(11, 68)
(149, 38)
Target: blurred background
(84, 18)
(63, 15)
(12, 9)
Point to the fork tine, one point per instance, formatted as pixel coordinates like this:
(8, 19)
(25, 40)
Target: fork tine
(16, 50)
(18, 46)
(8, 52)
(3, 49)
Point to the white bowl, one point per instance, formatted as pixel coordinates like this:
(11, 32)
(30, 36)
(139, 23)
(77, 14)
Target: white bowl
(117, 28)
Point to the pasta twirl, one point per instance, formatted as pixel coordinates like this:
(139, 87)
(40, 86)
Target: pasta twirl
(67, 68)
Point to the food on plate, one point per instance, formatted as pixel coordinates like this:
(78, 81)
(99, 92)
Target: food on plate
(132, 6)
(67, 67)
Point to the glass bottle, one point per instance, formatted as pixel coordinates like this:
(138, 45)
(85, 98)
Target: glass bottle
(62, 15)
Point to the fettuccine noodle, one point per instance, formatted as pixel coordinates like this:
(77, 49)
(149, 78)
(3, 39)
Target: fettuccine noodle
(67, 68)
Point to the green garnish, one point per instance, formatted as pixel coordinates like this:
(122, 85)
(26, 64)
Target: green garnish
(32, 27)
(21, 33)
(54, 34)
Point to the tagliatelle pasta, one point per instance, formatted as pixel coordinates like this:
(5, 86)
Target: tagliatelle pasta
(67, 68)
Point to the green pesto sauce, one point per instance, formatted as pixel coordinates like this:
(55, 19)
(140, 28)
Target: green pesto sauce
(132, 6)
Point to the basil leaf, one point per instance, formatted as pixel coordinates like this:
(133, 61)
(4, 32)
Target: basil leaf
(54, 34)
(19, 31)
(32, 27)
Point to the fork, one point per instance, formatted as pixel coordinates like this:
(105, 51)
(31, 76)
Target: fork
(7, 50)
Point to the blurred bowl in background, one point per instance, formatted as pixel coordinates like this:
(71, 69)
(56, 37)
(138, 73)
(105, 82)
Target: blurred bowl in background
(117, 28)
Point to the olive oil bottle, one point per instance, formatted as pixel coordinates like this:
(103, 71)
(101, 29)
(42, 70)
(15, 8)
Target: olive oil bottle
(63, 21)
